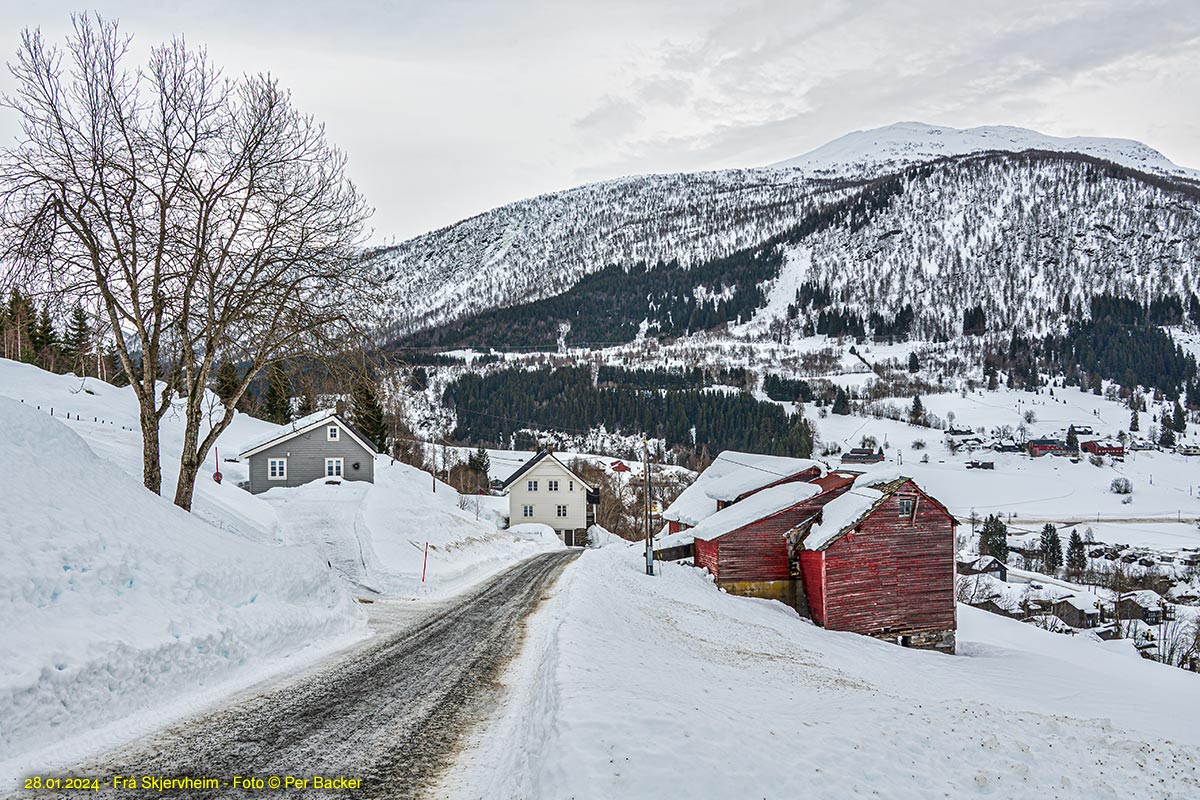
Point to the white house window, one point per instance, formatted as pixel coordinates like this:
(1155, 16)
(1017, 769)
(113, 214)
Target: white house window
(906, 506)
(570, 486)
(334, 467)
(332, 433)
(531, 486)
(552, 485)
(527, 511)
(562, 511)
(277, 469)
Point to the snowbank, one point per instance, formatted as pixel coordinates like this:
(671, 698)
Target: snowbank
(113, 600)
(646, 687)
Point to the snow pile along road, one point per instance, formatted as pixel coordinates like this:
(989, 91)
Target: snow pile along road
(632, 686)
(113, 601)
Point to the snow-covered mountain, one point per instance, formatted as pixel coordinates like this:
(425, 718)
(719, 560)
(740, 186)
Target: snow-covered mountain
(904, 143)
(935, 218)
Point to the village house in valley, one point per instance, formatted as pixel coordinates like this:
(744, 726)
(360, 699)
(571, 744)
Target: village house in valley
(545, 490)
(320, 445)
(867, 554)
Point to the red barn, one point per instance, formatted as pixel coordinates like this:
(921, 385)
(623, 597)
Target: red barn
(620, 466)
(745, 546)
(879, 561)
(1103, 447)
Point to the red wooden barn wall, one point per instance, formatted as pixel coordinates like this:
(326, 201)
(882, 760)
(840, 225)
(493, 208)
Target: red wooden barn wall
(812, 570)
(706, 555)
(759, 551)
(894, 573)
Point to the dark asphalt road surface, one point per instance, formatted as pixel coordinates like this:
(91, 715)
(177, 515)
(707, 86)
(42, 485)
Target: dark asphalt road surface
(391, 713)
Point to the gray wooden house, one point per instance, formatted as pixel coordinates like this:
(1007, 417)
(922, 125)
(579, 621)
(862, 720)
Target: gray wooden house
(320, 445)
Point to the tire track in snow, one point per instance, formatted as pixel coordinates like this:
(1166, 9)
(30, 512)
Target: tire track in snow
(392, 712)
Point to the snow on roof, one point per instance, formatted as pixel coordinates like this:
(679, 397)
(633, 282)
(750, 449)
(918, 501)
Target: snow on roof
(1105, 443)
(753, 508)
(694, 504)
(291, 427)
(747, 479)
(839, 513)
(1084, 601)
(1146, 598)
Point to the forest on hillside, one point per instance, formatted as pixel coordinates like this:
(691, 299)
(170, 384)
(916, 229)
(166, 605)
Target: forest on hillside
(503, 407)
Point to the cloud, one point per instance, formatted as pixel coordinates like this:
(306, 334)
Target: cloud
(613, 117)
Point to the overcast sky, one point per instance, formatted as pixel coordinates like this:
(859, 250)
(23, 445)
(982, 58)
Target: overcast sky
(448, 108)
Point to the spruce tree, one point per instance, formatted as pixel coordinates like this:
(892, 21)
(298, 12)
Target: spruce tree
(77, 340)
(1051, 549)
(367, 415)
(1133, 421)
(1167, 437)
(227, 381)
(916, 414)
(1072, 438)
(913, 364)
(994, 539)
(1076, 556)
(277, 400)
(841, 403)
(1178, 419)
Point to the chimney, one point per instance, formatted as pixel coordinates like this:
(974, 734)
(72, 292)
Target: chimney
(340, 408)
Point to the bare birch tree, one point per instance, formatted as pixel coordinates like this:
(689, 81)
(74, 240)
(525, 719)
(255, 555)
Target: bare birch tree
(208, 218)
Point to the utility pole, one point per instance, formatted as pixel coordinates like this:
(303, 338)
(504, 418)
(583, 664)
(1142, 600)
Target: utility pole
(649, 536)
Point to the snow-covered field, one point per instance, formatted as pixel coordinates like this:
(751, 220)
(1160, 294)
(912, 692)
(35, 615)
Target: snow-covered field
(1166, 486)
(632, 686)
(121, 612)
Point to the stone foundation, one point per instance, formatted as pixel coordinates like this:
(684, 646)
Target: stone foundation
(783, 591)
(942, 641)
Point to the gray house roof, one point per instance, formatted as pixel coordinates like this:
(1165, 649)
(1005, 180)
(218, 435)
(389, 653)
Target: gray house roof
(304, 425)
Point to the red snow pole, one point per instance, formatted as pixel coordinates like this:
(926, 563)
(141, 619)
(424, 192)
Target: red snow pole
(425, 563)
(217, 465)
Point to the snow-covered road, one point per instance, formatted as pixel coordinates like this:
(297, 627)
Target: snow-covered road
(390, 712)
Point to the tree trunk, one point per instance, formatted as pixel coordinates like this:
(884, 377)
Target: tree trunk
(189, 464)
(151, 465)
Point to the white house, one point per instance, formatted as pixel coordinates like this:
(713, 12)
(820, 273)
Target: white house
(544, 490)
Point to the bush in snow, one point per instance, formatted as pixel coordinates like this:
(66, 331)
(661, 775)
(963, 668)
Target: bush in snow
(1121, 486)
(918, 444)
(1096, 460)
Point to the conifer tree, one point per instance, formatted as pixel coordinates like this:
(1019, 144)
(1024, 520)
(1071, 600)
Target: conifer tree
(841, 403)
(1051, 549)
(916, 414)
(77, 341)
(1076, 557)
(993, 540)
(227, 381)
(277, 400)
(366, 413)
(1072, 438)
(1133, 421)
(914, 365)
(1167, 437)
(1178, 419)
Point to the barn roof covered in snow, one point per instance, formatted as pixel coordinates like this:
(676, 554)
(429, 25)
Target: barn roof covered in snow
(758, 506)
(741, 470)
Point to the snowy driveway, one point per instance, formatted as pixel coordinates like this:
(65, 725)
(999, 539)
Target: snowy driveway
(391, 712)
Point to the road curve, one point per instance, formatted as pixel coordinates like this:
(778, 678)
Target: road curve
(390, 713)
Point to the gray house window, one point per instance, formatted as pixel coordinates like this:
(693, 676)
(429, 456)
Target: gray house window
(527, 511)
(277, 469)
(333, 467)
(332, 433)
(531, 486)
(562, 511)
(552, 485)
